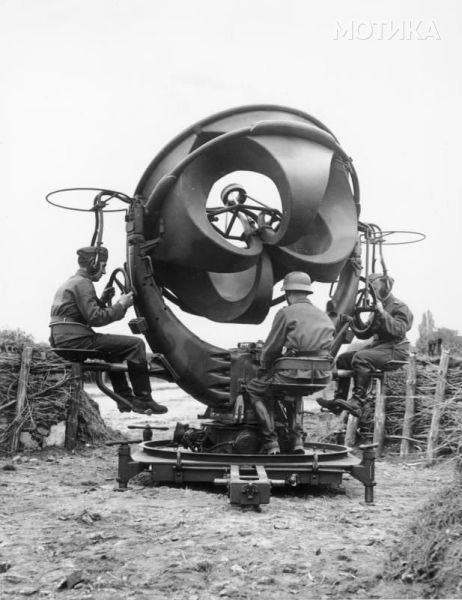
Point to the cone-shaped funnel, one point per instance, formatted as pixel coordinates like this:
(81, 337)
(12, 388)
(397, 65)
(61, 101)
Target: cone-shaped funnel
(328, 239)
(242, 297)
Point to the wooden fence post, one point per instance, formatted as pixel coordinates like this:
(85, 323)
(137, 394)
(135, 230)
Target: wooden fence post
(409, 411)
(433, 434)
(75, 401)
(24, 370)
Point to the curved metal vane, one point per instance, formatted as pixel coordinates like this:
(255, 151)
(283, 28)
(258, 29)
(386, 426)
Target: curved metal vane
(315, 231)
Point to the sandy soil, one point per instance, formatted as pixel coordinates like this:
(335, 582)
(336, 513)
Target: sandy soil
(66, 533)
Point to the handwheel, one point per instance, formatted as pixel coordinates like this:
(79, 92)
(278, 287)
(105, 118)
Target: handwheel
(366, 303)
(114, 279)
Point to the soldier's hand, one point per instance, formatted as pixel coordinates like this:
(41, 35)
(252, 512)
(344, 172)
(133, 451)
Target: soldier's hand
(126, 299)
(379, 307)
(107, 295)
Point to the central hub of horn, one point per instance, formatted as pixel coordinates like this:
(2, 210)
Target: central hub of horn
(233, 194)
(247, 209)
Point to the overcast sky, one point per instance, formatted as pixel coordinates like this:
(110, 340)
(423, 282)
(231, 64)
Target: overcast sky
(93, 89)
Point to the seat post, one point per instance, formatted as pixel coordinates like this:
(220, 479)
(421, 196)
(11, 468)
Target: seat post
(293, 405)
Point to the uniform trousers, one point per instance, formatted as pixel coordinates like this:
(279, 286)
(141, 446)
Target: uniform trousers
(368, 359)
(115, 348)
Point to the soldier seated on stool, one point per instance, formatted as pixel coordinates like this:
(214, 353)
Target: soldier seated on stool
(298, 328)
(76, 309)
(392, 321)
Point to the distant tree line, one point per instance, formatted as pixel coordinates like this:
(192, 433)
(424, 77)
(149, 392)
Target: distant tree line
(432, 339)
(12, 340)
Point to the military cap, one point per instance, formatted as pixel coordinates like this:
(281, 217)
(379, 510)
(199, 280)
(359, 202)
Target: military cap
(375, 276)
(89, 253)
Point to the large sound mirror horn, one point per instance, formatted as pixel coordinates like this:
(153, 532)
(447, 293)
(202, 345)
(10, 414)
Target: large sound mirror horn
(207, 272)
(315, 231)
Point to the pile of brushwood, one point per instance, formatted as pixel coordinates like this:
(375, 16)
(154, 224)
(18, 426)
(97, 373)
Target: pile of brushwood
(430, 552)
(426, 380)
(47, 398)
(428, 557)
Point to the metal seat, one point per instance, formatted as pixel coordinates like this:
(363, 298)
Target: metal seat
(301, 363)
(78, 355)
(391, 365)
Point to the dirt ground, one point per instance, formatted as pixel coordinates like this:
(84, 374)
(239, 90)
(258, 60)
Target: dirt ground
(66, 533)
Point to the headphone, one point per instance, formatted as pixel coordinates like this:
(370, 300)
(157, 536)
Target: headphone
(95, 263)
(388, 283)
(93, 266)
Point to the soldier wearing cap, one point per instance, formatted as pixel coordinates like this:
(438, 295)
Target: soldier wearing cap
(76, 309)
(392, 321)
(297, 328)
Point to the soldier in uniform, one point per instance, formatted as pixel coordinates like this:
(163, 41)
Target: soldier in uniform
(392, 321)
(299, 329)
(76, 309)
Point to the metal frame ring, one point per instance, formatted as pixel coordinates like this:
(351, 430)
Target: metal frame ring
(90, 189)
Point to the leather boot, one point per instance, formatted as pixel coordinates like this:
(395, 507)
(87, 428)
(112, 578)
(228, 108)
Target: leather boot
(121, 388)
(143, 402)
(343, 387)
(267, 430)
(294, 409)
(361, 386)
(356, 404)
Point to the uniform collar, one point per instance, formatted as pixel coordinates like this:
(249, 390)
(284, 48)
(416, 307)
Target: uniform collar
(83, 273)
(301, 301)
(389, 300)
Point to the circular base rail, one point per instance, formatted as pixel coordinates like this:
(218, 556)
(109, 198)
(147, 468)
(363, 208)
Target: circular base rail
(164, 449)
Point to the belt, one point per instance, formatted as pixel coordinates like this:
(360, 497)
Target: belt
(308, 354)
(395, 342)
(65, 321)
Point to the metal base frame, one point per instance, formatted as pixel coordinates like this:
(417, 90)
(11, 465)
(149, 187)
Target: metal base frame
(248, 478)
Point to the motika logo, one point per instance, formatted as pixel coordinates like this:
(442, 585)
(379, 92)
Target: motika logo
(387, 30)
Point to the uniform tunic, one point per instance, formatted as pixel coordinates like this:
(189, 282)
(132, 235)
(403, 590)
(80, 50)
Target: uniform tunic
(76, 309)
(299, 327)
(76, 300)
(389, 340)
(394, 323)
